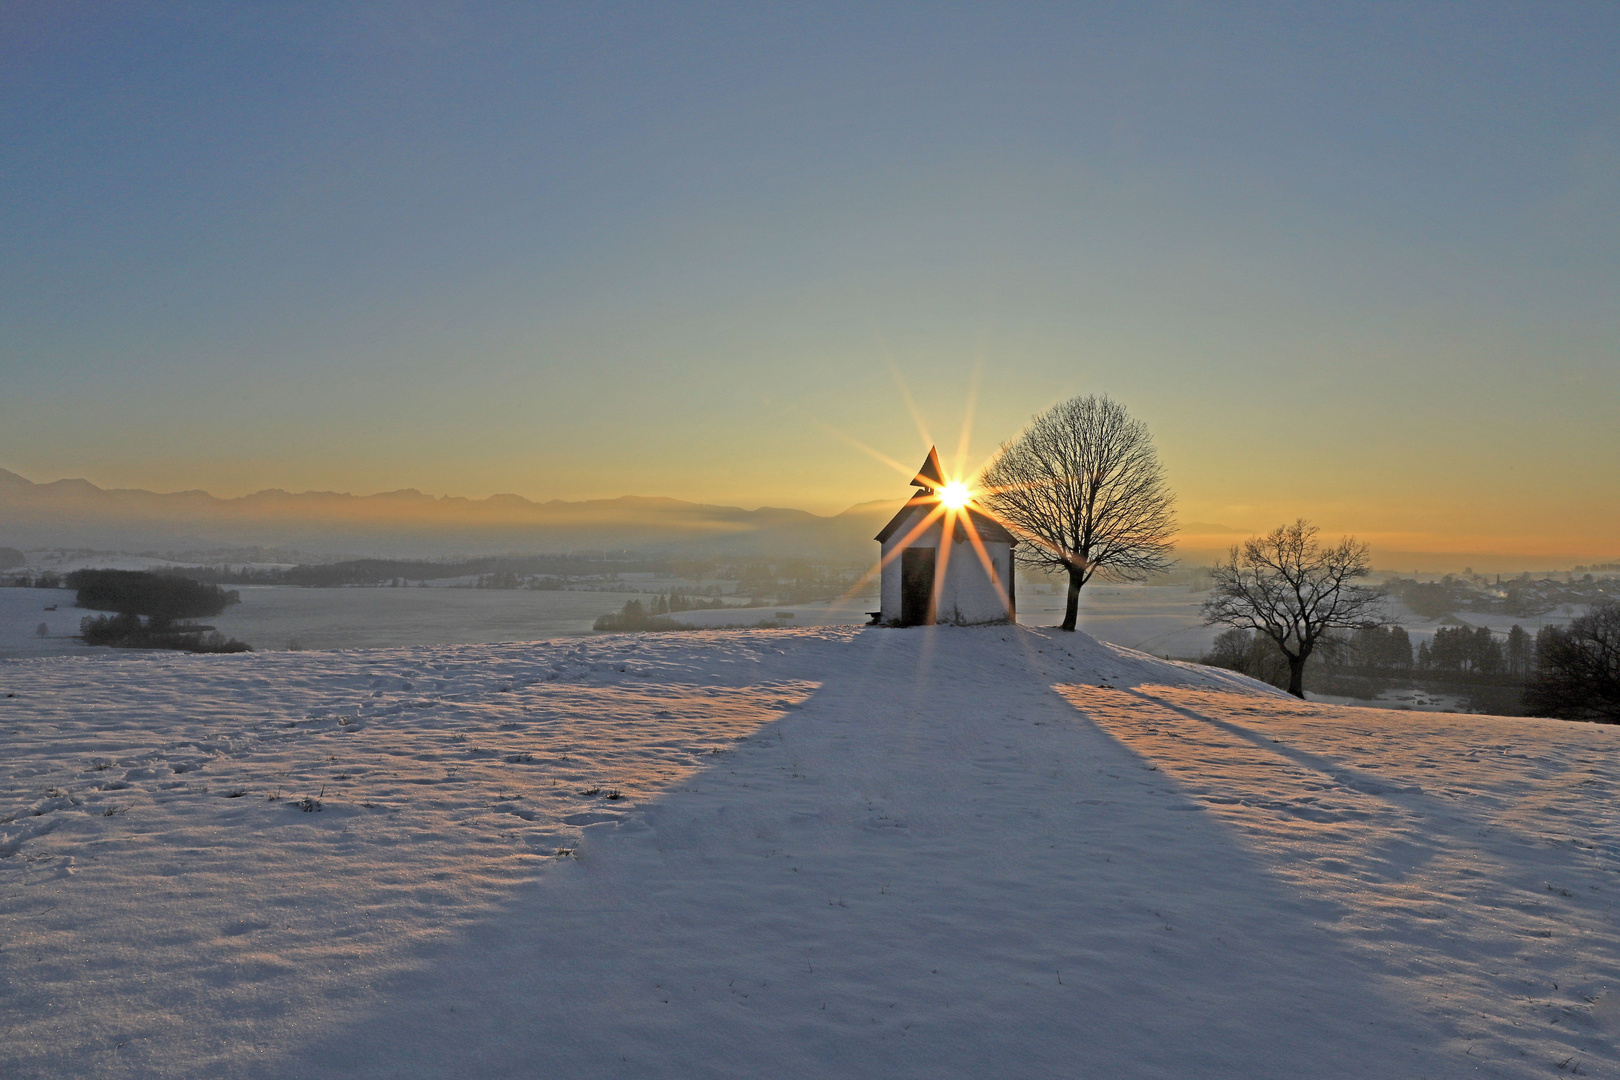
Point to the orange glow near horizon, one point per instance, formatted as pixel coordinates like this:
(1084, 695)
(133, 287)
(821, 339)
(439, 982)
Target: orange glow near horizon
(954, 503)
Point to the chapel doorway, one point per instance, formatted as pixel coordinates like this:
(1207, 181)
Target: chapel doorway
(916, 585)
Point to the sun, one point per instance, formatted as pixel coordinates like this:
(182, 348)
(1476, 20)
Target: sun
(955, 495)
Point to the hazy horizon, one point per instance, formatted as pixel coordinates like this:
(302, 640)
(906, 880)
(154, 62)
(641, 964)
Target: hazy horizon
(1351, 263)
(424, 515)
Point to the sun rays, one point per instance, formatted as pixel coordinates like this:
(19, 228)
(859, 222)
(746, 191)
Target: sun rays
(954, 498)
(949, 504)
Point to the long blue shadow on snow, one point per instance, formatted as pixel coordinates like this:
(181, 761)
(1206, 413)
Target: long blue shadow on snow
(937, 876)
(1441, 823)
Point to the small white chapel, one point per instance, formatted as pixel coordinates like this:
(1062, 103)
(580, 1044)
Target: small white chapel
(945, 559)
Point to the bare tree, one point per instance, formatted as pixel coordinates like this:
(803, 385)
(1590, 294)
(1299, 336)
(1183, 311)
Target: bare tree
(1082, 484)
(1578, 668)
(1287, 586)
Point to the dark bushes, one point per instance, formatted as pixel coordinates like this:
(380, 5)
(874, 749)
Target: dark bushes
(655, 615)
(635, 617)
(1578, 668)
(158, 596)
(1251, 654)
(161, 599)
(128, 632)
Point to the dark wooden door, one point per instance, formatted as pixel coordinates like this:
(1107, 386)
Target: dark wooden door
(916, 585)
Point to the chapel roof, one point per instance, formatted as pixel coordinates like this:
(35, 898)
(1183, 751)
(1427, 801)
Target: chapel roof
(930, 478)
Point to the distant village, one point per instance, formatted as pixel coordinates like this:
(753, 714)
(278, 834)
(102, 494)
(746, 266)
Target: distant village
(1525, 596)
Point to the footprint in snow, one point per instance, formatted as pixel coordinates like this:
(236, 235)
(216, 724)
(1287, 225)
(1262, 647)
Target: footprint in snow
(591, 817)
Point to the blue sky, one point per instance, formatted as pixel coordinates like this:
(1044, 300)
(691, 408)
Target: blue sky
(1356, 262)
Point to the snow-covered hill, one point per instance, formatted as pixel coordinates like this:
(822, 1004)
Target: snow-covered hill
(834, 852)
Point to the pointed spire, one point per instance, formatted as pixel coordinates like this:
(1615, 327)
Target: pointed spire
(930, 477)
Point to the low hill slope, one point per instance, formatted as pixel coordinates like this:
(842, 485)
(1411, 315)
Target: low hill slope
(798, 853)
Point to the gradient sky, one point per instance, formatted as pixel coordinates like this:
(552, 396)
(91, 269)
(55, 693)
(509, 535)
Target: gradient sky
(1352, 262)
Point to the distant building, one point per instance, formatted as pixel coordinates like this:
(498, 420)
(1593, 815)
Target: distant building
(945, 563)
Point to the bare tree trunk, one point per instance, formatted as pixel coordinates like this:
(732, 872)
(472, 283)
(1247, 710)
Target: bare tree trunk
(1290, 588)
(1071, 611)
(1296, 674)
(1082, 486)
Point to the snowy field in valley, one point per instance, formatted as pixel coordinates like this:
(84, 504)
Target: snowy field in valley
(787, 853)
(1155, 619)
(1159, 619)
(274, 617)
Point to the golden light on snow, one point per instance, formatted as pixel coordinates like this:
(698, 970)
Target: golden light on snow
(954, 495)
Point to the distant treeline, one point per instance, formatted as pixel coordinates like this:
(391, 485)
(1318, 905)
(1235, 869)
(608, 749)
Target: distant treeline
(1387, 650)
(511, 571)
(1508, 674)
(384, 571)
(654, 615)
(767, 580)
(775, 580)
(764, 580)
(45, 579)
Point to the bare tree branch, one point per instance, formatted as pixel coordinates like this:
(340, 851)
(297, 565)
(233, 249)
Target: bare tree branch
(1578, 668)
(1083, 486)
(1287, 586)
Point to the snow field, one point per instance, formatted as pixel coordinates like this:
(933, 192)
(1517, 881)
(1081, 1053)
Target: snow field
(270, 618)
(924, 853)
(1473, 857)
(167, 907)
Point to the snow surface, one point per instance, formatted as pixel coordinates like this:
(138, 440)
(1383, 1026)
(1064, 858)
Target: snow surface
(274, 617)
(934, 852)
(21, 612)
